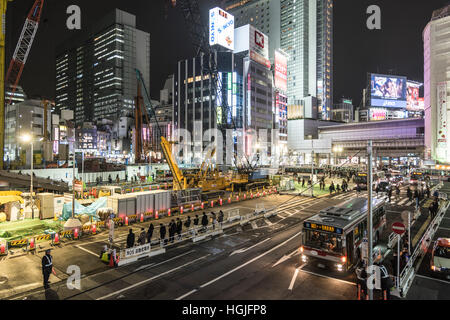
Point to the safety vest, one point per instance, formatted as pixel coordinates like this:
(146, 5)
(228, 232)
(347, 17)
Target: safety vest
(49, 259)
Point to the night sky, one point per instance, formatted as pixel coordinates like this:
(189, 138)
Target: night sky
(397, 48)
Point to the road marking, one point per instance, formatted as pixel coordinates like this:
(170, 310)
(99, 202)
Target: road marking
(402, 202)
(248, 262)
(150, 279)
(429, 278)
(323, 276)
(187, 294)
(286, 257)
(291, 286)
(244, 250)
(144, 266)
(443, 228)
(88, 251)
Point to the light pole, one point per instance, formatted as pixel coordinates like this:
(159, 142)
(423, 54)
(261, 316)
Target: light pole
(369, 207)
(29, 138)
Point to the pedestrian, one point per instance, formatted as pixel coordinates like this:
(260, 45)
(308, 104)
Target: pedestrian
(377, 189)
(141, 239)
(331, 187)
(204, 222)
(130, 239)
(220, 218)
(386, 282)
(179, 227)
(303, 182)
(416, 196)
(431, 210)
(390, 194)
(397, 192)
(409, 193)
(150, 233)
(117, 178)
(338, 188)
(428, 192)
(109, 179)
(358, 189)
(213, 219)
(162, 233)
(435, 207)
(196, 220)
(187, 223)
(47, 267)
(172, 230)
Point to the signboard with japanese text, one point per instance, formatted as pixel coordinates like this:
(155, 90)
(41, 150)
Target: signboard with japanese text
(221, 28)
(280, 71)
(136, 251)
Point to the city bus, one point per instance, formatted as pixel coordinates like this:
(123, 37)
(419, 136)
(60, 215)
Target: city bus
(360, 178)
(416, 177)
(332, 238)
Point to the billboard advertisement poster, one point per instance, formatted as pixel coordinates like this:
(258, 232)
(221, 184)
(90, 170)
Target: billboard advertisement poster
(259, 42)
(221, 28)
(388, 91)
(412, 96)
(377, 114)
(280, 71)
(260, 59)
(442, 115)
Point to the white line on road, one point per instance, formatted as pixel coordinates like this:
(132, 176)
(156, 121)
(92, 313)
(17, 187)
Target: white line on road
(291, 286)
(88, 251)
(444, 228)
(246, 249)
(323, 276)
(187, 294)
(248, 262)
(420, 276)
(150, 279)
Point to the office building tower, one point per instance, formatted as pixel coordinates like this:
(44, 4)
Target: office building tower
(95, 71)
(304, 30)
(436, 38)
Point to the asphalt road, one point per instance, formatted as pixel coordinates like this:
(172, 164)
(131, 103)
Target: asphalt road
(257, 261)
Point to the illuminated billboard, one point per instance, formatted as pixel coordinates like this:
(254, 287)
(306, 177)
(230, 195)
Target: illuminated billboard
(280, 71)
(413, 102)
(221, 28)
(388, 91)
(248, 38)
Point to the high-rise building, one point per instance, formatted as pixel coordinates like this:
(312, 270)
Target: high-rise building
(16, 97)
(95, 71)
(304, 30)
(343, 111)
(436, 38)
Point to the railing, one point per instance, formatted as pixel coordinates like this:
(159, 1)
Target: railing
(407, 274)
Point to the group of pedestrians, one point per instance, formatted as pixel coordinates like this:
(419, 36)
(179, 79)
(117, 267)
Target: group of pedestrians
(338, 188)
(175, 228)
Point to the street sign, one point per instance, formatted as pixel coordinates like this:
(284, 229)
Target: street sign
(405, 216)
(398, 228)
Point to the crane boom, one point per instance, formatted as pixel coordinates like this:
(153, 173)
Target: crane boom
(23, 47)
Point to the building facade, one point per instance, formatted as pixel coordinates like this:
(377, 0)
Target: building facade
(436, 38)
(343, 111)
(95, 72)
(304, 30)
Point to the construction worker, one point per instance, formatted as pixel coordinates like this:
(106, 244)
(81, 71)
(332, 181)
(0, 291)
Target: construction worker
(47, 267)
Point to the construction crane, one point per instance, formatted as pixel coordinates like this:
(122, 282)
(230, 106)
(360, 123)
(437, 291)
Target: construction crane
(199, 36)
(18, 60)
(23, 47)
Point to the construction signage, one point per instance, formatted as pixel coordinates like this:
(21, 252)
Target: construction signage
(135, 251)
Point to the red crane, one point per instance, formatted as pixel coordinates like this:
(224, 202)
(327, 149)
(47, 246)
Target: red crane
(24, 46)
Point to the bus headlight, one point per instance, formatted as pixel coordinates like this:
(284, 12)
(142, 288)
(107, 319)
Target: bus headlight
(304, 258)
(339, 267)
(301, 249)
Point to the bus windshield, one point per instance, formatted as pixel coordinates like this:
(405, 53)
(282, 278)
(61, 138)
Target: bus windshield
(322, 240)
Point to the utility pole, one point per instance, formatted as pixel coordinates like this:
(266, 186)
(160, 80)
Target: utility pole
(31, 184)
(369, 216)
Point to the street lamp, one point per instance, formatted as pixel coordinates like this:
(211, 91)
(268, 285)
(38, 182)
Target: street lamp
(28, 138)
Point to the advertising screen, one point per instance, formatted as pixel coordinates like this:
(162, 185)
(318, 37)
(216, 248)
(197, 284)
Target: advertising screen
(280, 71)
(388, 91)
(413, 102)
(221, 28)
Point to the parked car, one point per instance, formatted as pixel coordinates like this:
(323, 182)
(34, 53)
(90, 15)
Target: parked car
(440, 256)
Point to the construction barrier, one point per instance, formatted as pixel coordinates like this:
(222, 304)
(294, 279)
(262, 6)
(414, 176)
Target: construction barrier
(31, 245)
(55, 239)
(3, 248)
(18, 243)
(43, 237)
